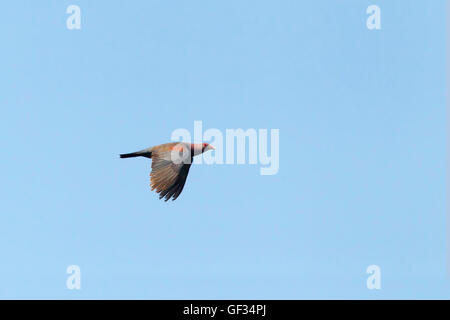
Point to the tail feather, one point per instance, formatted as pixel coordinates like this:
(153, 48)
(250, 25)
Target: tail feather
(129, 155)
(143, 153)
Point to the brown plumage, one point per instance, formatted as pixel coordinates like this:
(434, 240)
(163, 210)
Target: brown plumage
(170, 165)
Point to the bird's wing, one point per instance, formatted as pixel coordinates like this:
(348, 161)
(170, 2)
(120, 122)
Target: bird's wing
(168, 177)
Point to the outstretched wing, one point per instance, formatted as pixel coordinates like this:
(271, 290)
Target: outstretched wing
(168, 177)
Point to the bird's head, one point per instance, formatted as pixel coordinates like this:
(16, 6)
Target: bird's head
(207, 147)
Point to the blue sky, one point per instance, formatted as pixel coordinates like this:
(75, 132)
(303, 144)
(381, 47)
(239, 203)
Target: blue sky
(362, 127)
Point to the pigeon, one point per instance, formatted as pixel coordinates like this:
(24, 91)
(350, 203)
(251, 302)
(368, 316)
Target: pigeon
(170, 165)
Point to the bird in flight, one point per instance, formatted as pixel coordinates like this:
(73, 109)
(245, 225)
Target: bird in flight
(170, 165)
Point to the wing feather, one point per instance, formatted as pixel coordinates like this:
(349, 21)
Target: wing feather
(167, 177)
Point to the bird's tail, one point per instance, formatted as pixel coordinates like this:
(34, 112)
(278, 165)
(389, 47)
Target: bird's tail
(143, 153)
(129, 155)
